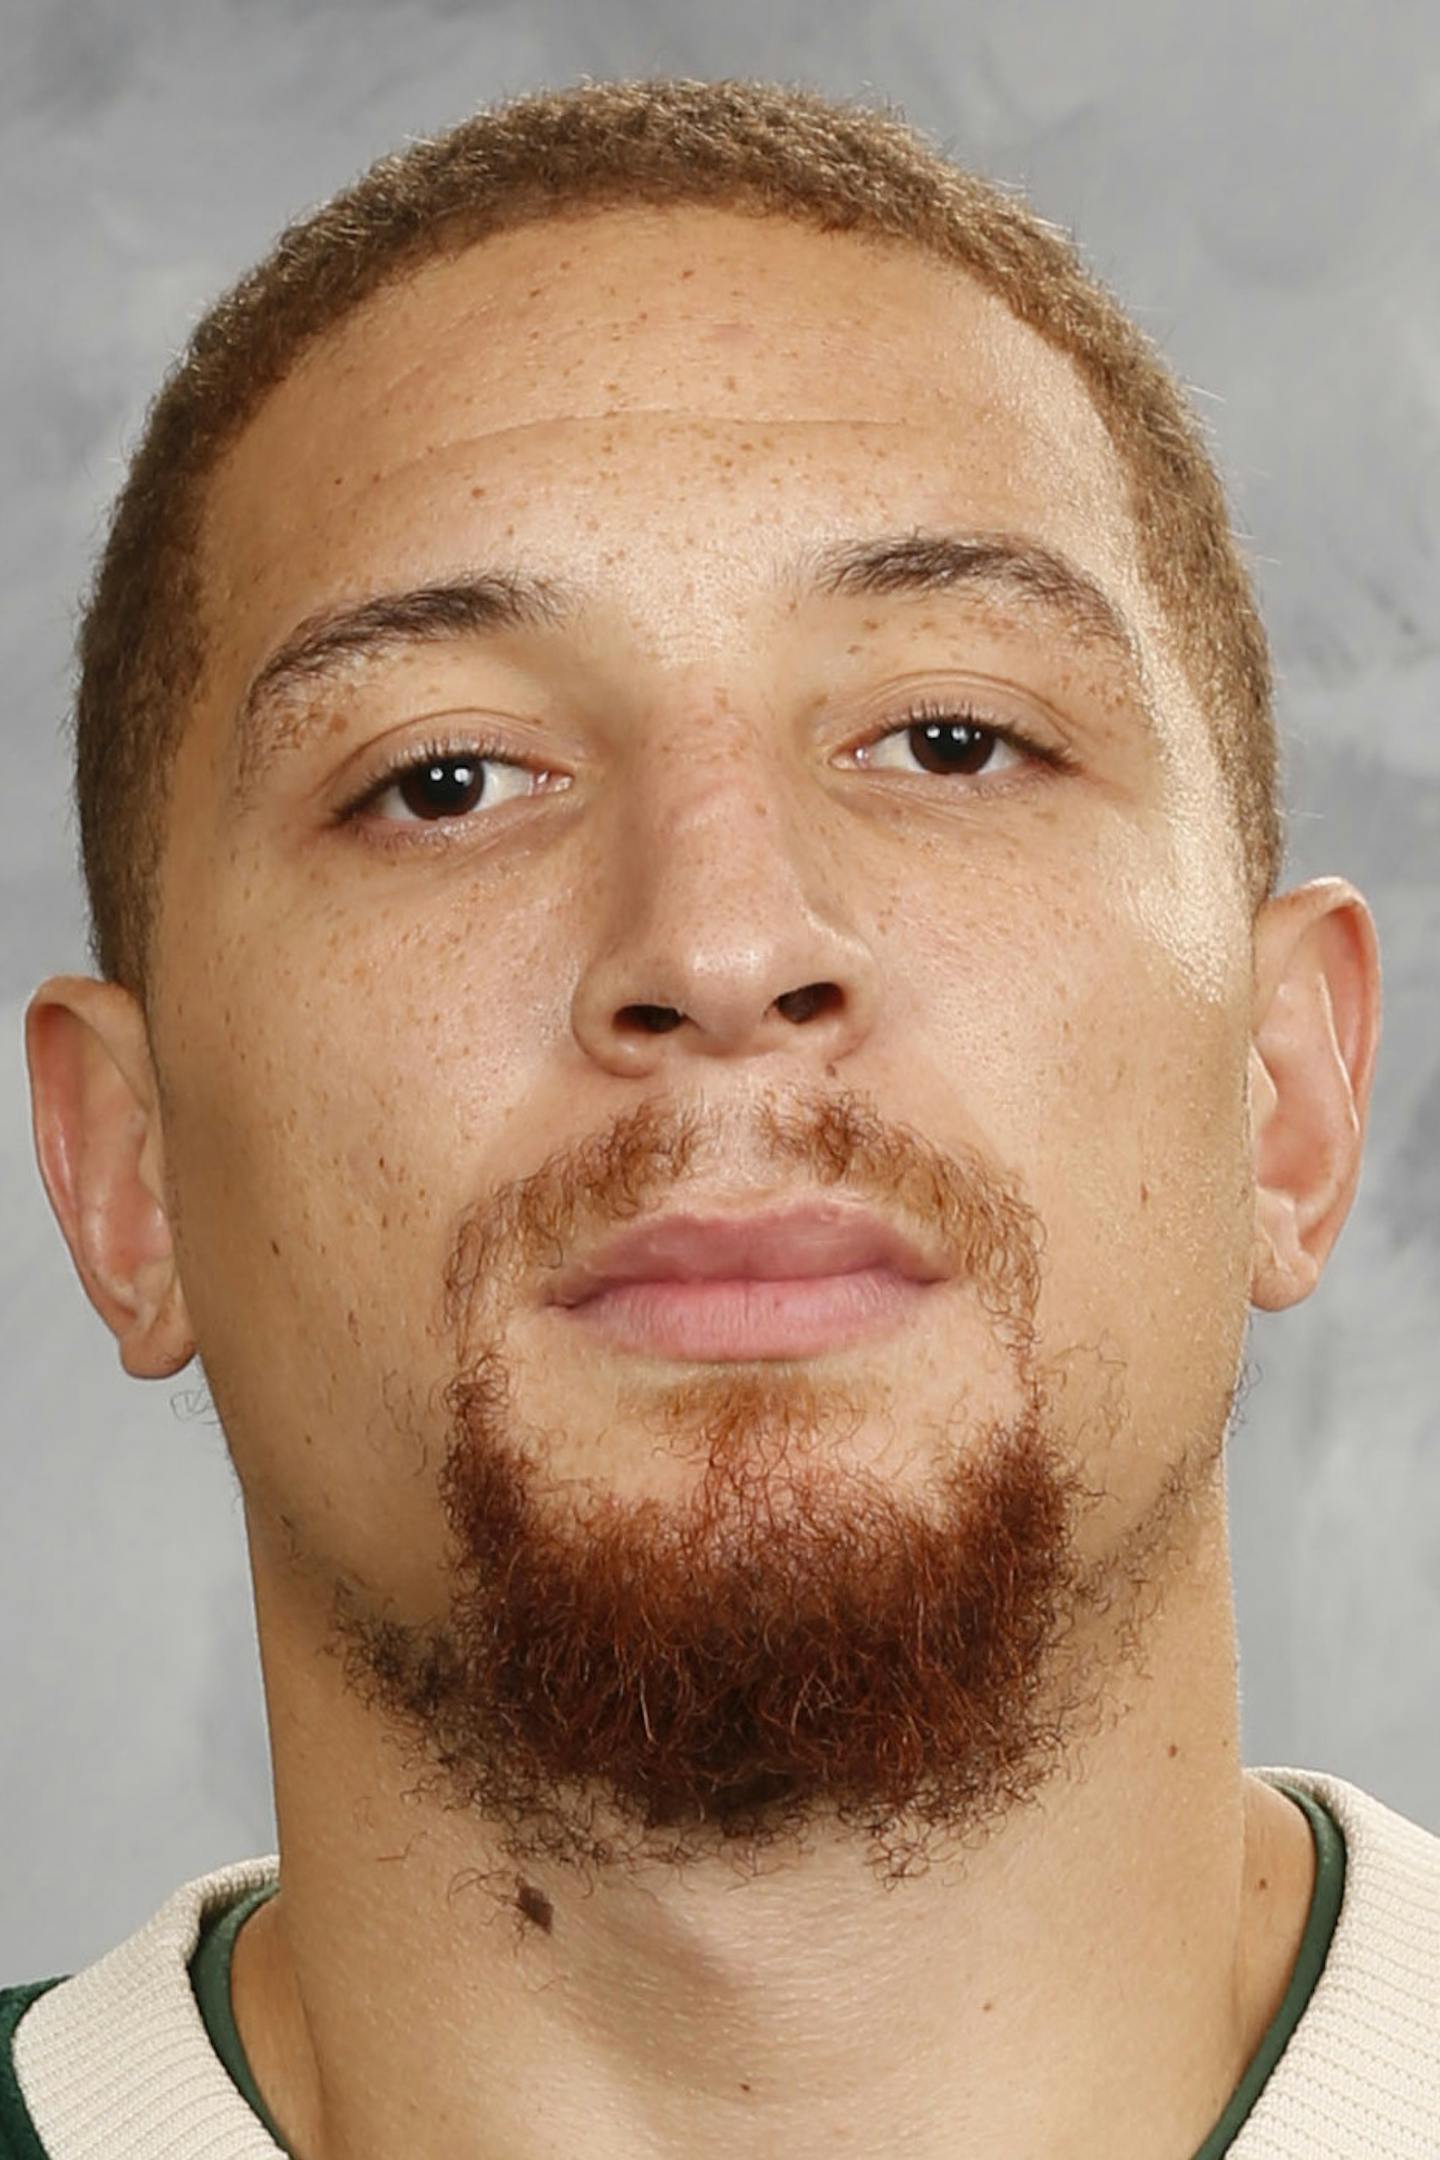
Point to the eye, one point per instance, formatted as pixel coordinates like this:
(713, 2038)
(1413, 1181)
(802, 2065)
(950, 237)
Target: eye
(955, 743)
(440, 783)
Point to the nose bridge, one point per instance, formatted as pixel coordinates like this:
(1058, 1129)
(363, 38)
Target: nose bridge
(717, 814)
(722, 871)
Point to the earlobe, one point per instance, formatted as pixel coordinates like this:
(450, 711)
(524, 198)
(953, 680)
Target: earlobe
(100, 1148)
(1315, 1032)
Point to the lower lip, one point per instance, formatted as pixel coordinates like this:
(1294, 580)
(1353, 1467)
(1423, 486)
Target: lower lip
(735, 1319)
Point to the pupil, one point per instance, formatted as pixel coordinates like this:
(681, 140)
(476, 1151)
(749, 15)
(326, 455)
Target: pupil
(443, 787)
(950, 745)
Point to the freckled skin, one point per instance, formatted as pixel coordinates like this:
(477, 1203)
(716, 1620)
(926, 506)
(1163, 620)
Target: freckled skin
(1042, 997)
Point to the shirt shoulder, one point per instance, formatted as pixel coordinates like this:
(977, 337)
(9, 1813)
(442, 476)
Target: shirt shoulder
(114, 2062)
(1360, 2074)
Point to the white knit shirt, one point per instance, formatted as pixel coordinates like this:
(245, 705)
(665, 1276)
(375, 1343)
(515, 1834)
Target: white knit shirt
(115, 2062)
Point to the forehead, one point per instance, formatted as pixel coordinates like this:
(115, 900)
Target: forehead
(779, 384)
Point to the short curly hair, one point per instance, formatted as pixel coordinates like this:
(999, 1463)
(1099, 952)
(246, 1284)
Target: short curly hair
(756, 148)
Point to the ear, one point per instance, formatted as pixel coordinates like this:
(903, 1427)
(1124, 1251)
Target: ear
(98, 1139)
(1315, 1028)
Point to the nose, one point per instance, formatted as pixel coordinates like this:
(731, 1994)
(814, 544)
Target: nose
(723, 934)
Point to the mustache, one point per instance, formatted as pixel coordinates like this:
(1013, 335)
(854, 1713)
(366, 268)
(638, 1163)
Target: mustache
(991, 1236)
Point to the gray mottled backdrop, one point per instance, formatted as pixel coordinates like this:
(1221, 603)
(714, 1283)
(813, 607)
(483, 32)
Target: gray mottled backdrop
(1262, 184)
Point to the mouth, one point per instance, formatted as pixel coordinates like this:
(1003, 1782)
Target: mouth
(789, 1283)
(719, 1319)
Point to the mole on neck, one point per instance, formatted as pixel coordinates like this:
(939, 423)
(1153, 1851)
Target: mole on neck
(535, 1906)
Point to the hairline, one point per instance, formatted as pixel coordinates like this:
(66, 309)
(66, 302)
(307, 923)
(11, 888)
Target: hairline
(322, 273)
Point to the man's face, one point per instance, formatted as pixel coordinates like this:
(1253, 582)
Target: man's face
(418, 1061)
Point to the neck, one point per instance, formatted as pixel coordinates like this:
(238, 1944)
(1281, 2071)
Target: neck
(1129, 1933)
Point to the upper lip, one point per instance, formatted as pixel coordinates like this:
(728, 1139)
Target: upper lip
(817, 1238)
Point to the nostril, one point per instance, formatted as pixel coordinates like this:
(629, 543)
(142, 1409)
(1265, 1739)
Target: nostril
(804, 1004)
(654, 1019)
(796, 1005)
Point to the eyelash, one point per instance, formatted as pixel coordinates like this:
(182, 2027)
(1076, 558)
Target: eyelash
(480, 751)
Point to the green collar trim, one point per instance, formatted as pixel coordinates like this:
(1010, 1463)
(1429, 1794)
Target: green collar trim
(1309, 1964)
(210, 1978)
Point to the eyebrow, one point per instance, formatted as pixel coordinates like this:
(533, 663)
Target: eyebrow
(1038, 579)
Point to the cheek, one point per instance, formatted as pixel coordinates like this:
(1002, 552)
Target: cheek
(327, 1123)
(1107, 1066)
(349, 1042)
